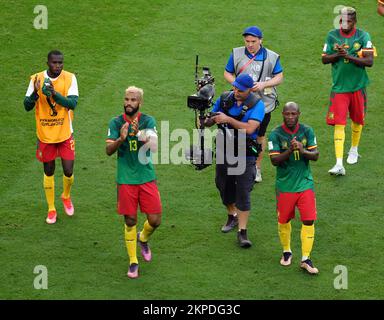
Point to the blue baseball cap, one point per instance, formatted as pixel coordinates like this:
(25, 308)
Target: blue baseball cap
(243, 82)
(253, 31)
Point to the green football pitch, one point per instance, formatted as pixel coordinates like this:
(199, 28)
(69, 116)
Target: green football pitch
(152, 44)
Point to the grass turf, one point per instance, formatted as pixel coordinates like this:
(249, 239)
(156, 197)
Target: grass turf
(113, 44)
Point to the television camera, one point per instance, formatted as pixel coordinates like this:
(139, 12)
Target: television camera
(200, 102)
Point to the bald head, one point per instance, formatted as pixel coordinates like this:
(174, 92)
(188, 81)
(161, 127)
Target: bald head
(291, 113)
(291, 106)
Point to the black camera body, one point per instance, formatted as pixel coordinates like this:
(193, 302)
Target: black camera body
(205, 87)
(201, 101)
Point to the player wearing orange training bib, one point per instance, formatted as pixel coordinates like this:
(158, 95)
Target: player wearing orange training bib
(54, 95)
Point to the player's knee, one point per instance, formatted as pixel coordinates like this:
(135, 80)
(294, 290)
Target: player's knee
(155, 224)
(130, 221)
(49, 169)
(68, 171)
(68, 167)
(49, 173)
(308, 222)
(154, 220)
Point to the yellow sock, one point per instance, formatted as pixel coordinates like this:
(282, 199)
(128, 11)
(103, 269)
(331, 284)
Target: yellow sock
(146, 232)
(339, 138)
(307, 238)
(49, 189)
(67, 184)
(356, 133)
(285, 235)
(131, 243)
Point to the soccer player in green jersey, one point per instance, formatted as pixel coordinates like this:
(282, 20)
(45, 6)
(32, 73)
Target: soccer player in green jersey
(349, 50)
(133, 135)
(291, 146)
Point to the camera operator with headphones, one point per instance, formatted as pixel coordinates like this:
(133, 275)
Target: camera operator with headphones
(233, 111)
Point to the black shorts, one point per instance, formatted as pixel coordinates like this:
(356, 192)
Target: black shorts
(264, 125)
(236, 189)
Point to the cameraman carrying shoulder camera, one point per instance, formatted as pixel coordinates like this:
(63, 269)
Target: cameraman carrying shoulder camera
(238, 109)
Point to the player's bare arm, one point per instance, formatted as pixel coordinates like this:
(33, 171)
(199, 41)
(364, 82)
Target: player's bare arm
(365, 61)
(36, 84)
(278, 159)
(331, 58)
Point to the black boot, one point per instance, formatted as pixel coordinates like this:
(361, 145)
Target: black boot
(243, 239)
(232, 222)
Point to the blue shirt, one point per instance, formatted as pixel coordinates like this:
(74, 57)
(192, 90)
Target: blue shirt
(260, 56)
(255, 113)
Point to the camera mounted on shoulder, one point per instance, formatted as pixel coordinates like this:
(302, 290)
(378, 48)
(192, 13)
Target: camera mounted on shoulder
(227, 100)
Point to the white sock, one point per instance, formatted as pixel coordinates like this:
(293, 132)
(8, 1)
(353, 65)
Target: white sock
(339, 161)
(353, 149)
(304, 258)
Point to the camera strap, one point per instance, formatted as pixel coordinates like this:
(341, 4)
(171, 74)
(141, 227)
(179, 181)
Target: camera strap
(247, 64)
(227, 100)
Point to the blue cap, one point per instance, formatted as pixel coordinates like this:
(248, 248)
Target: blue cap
(243, 82)
(253, 31)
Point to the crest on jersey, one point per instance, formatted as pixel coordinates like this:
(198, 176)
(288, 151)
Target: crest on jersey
(284, 145)
(356, 46)
(304, 142)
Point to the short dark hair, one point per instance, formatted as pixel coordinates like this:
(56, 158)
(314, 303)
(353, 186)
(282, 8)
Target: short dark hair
(54, 53)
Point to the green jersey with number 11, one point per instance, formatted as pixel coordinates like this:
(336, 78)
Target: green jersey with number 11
(294, 174)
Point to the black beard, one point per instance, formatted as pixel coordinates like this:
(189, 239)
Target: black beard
(132, 112)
